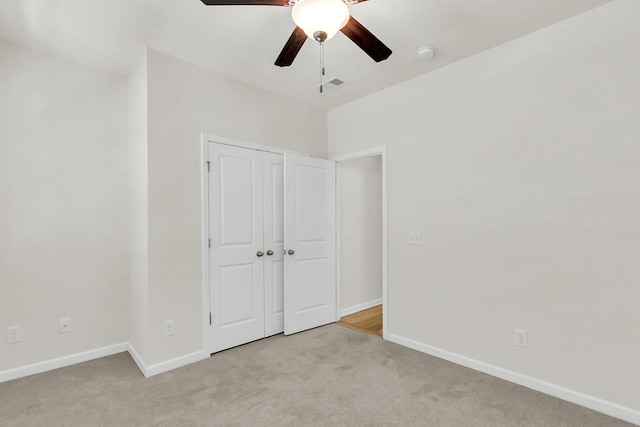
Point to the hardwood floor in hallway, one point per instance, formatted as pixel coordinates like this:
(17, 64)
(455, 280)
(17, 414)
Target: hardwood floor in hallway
(367, 321)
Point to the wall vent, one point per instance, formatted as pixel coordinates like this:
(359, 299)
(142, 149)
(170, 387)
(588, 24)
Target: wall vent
(332, 84)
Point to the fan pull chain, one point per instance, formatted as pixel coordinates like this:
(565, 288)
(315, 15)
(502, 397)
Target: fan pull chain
(322, 55)
(322, 67)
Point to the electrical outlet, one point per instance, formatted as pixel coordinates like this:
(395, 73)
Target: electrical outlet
(415, 238)
(64, 325)
(350, 233)
(14, 334)
(169, 327)
(522, 339)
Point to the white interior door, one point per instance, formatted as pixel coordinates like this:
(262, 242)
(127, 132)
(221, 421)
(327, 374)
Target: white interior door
(236, 279)
(273, 184)
(310, 241)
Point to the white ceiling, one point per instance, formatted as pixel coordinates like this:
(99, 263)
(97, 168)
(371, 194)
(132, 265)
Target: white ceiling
(244, 41)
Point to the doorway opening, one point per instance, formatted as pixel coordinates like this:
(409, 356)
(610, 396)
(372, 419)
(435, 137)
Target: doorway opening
(367, 321)
(362, 238)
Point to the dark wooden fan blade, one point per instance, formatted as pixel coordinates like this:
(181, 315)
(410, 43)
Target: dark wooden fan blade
(291, 48)
(246, 2)
(373, 47)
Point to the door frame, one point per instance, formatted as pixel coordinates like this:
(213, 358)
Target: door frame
(344, 158)
(205, 140)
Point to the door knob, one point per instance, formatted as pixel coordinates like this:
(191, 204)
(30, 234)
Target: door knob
(291, 252)
(260, 253)
(269, 252)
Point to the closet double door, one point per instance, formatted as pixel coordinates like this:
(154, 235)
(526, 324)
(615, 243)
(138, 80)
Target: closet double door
(272, 253)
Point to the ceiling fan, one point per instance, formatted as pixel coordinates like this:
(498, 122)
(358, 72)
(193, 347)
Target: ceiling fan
(319, 20)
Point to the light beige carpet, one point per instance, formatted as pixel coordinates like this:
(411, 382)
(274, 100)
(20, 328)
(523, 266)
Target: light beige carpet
(330, 376)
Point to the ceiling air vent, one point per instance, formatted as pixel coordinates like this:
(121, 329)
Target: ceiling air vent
(332, 84)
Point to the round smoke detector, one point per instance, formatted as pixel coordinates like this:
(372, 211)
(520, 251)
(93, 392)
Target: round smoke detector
(426, 52)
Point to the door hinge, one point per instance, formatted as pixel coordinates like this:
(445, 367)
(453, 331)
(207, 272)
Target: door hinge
(209, 242)
(210, 318)
(208, 166)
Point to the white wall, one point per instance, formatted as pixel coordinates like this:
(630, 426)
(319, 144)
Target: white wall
(183, 101)
(520, 166)
(360, 231)
(63, 206)
(79, 238)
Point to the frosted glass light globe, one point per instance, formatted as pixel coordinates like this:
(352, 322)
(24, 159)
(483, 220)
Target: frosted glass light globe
(328, 16)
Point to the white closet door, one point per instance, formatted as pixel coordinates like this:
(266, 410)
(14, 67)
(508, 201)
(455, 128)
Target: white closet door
(273, 184)
(310, 241)
(236, 282)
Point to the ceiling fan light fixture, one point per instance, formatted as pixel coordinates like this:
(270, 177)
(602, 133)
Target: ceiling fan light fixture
(320, 19)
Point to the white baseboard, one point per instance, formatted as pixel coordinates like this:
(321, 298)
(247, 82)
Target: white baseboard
(136, 358)
(356, 308)
(159, 368)
(618, 411)
(175, 363)
(61, 362)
